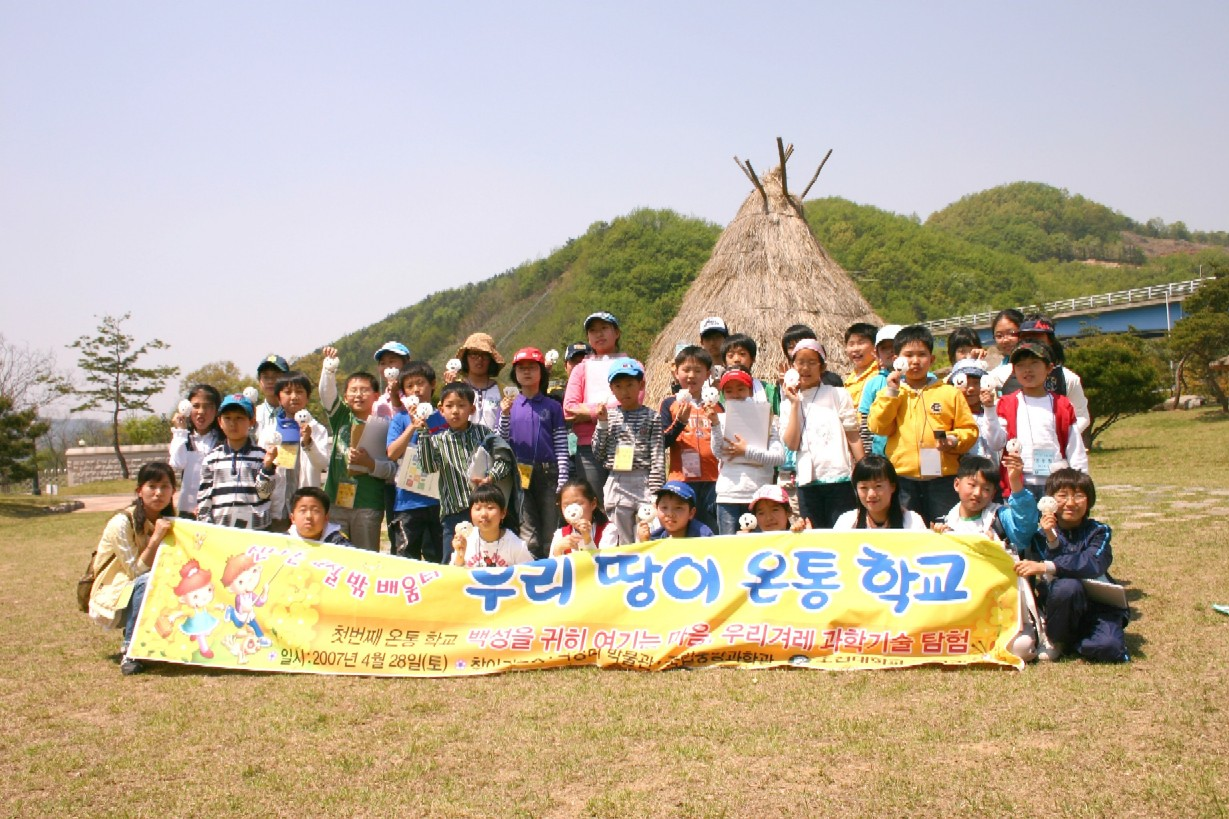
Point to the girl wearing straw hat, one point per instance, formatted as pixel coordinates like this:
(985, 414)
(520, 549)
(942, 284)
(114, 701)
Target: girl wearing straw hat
(480, 363)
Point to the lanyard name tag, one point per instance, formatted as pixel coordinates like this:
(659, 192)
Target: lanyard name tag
(931, 463)
(1043, 462)
(623, 457)
(345, 494)
(287, 455)
(526, 471)
(691, 463)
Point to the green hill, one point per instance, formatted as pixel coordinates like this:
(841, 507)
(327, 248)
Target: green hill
(637, 266)
(910, 272)
(1038, 222)
(1017, 244)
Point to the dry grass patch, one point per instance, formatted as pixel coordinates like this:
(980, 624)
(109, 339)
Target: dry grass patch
(1146, 739)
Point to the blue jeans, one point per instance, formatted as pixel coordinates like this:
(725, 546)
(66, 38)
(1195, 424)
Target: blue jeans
(706, 502)
(134, 609)
(823, 503)
(449, 524)
(728, 515)
(417, 533)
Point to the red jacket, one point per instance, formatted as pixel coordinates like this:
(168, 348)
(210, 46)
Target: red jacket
(1064, 420)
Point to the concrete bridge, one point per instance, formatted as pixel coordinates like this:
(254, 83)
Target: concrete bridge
(1149, 311)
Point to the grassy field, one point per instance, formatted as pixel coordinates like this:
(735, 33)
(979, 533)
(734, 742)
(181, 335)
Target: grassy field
(1150, 738)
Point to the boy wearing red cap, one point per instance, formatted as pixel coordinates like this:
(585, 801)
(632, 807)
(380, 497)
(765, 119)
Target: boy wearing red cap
(744, 466)
(533, 424)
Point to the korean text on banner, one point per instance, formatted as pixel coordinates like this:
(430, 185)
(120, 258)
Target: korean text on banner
(228, 598)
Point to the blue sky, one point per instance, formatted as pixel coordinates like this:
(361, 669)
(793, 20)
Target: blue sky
(253, 177)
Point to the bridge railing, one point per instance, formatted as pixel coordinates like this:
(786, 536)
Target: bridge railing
(1175, 291)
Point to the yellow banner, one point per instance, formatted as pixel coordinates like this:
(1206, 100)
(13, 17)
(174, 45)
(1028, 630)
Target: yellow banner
(229, 598)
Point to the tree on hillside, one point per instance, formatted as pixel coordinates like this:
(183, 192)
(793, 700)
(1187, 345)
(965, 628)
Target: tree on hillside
(1202, 335)
(113, 379)
(1122, 376)
(225, 376)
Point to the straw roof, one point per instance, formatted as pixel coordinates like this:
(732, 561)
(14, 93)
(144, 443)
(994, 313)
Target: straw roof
(767, 271)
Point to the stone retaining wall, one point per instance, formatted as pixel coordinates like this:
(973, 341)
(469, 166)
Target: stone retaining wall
(98, 463)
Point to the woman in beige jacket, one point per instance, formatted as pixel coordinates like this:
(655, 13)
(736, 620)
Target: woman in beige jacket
(126, 552)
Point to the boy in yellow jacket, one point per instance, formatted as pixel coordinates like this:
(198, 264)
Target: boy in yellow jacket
(928, 425)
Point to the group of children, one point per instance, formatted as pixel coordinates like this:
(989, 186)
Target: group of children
(492, 478)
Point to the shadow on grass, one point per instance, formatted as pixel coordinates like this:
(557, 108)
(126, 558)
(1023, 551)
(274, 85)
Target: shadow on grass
(1213, 418)
(12, 509)
(153, 668)
(1101, 449)
(1135, 645)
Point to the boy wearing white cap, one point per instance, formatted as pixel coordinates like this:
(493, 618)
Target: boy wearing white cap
(885, 354)
(392, 356)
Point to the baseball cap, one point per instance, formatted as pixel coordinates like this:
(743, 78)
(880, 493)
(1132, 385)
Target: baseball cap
(529, 354)
(602, 316)
(678, 489)
(625, 366)
(273, 360)
(237, 400)
(1031, 348)
(741, 376)
(1038, 325)
(713, 324)
(770, 492)
(887, 333)
(974, 367)
(395, 347)
(574, 350)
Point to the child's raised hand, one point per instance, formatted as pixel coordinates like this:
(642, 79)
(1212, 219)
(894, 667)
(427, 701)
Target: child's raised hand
(736, 448)
(1049, 525)
(505, 403)
(939, 527)
(684, 413)
(328, 352)
(893, 382)
(800, 525)
(1013, 465)
(978, 353)
(270, 456)
(642, 531)
(947, 443)
(584, 530)
(602, 413)
(989, 397)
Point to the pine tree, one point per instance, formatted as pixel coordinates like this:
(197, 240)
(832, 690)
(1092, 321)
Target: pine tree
(112, 378)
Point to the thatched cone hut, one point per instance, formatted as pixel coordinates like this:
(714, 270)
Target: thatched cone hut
(767, 271)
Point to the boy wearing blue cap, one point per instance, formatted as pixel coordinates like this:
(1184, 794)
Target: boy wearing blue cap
(392, 356)
(676, 515)
(236, 476)
(268, 371)
(628, 442)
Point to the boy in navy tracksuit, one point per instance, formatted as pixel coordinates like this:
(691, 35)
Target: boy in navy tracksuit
(1070, 547)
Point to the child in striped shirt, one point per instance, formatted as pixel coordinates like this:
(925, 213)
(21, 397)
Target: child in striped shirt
(628, 441)
(450, 452)
(236, 476)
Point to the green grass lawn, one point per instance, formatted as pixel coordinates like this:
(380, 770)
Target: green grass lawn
(1150, 738)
